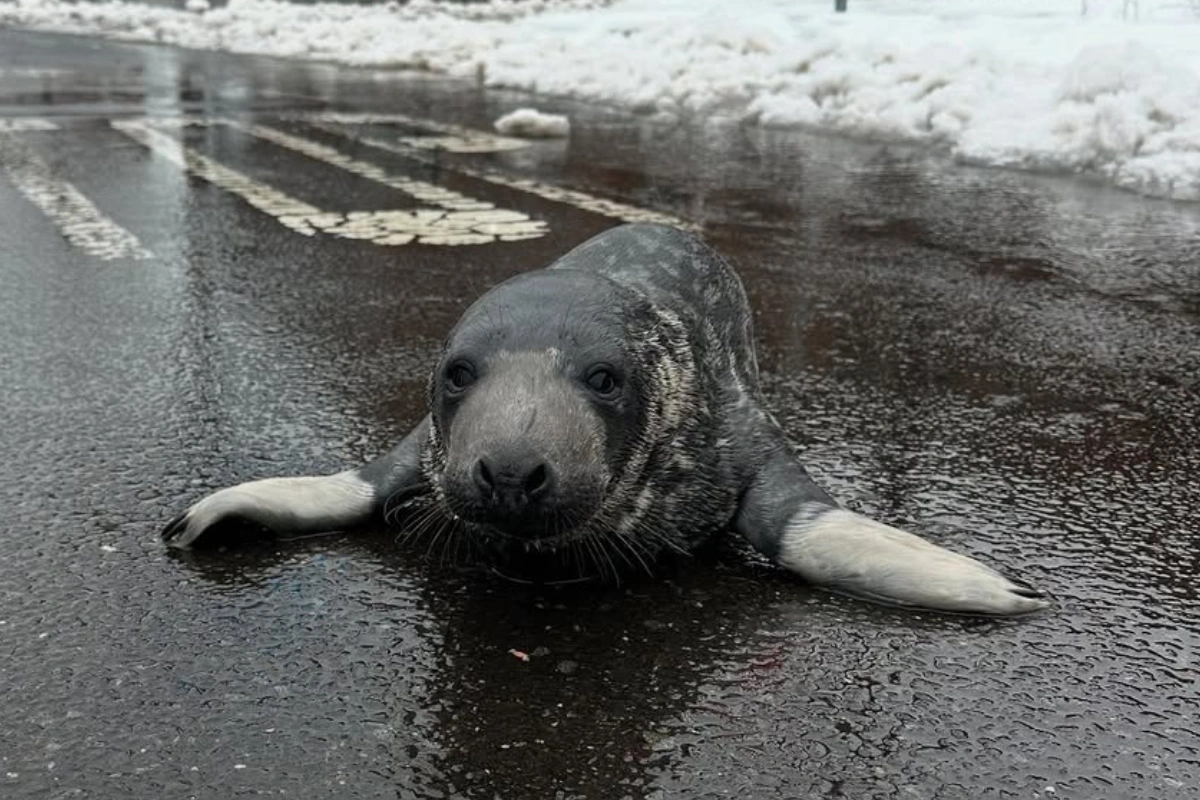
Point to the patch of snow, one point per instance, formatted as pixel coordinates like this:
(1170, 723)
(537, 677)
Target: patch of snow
(1105, 87)
(197, 6)
(529, 123)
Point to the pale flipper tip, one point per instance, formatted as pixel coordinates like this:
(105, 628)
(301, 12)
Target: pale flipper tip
(280, 505)
(854, 554)
(174, 532)
(185, 529)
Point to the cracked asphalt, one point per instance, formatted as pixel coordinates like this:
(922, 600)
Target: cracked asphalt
(252, 284)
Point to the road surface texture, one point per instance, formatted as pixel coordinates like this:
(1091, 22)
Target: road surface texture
(219, 268)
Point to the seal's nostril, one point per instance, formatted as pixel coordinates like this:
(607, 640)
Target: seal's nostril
(513, 481)
(483, 476)
(536, 483)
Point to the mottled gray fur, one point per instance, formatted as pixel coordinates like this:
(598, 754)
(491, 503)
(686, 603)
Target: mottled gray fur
(698, 453)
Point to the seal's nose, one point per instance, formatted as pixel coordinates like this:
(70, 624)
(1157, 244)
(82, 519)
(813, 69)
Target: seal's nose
(514, 483)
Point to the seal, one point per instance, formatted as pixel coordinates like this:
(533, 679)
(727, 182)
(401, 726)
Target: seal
(607, 409)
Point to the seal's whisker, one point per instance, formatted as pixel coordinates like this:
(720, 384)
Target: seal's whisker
(449, 537)
(577, 554)
(597, 556)
(607, 542)
(422, 524)
(652, 531)
(624, 542)
(435, 533)
(607, 546)
(411, 529)
(589, 546)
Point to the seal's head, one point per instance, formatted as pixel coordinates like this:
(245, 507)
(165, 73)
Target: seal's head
(531, 405)
(541, 405)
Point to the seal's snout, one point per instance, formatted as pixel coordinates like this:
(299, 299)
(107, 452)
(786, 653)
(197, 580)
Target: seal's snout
(514, 483)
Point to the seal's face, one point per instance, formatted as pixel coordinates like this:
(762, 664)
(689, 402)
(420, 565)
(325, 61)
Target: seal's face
(533, 404)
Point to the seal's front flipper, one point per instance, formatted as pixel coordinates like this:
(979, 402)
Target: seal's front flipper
(790, 519)
(310, 504)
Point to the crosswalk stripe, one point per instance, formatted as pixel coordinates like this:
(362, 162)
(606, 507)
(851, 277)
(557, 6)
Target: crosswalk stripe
(454, 138)
(81, 223)
(454, 220)
(583, 200)
(19, 124)
(288, 210)
(462, 212)
(447, 218)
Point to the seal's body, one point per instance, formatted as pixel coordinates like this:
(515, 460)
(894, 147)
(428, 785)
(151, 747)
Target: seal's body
(609, 405)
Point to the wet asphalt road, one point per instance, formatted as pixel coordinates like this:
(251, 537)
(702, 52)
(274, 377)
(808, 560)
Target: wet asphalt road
(1004, 363)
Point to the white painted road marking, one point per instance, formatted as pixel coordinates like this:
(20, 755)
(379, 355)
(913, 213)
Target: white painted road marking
(454, 138)
(457, 144)
(288, 210)
(75, 216)
(464, 218)
(455, 219)
(339, 124)
(33, 72)
(450, 218)
(17, 124)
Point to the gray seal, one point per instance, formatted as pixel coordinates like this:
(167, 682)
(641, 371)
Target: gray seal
(609, 406)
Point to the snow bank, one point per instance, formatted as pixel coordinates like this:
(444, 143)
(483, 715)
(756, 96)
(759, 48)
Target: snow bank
(529, 123)
(1023, 83)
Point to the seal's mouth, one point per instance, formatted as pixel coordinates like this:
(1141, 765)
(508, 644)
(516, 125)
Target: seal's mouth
(543, 543)
(583, 555)
(541, 535)
(549, 552)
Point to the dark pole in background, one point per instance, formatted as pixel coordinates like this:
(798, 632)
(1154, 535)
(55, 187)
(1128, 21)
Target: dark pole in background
(839, 5)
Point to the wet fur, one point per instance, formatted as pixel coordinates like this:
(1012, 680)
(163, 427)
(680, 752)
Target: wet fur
(700, 455)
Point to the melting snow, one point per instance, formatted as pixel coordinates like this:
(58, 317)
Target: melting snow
(1106, 87)
(530, 123)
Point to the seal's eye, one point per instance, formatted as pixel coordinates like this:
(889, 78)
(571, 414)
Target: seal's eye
(459, 376)
(603, 382)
